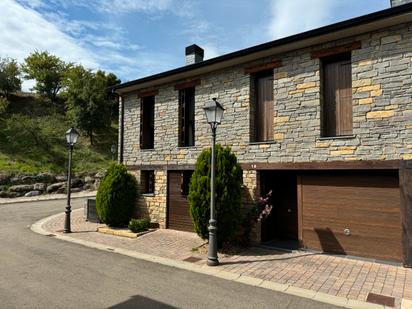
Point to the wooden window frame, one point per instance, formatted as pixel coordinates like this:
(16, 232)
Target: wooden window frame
(256, 114)
(186, 121)
(147, 182)
(147, 115)
(340, 127)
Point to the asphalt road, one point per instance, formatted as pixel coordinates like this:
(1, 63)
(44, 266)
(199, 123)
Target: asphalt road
(42, 272)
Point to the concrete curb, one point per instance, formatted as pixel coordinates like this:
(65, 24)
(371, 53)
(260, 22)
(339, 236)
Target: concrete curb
(49, 197)
(217, 272)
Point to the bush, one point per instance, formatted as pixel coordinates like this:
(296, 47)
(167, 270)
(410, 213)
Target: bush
(116, 196)
(139, 225)
(228, 194)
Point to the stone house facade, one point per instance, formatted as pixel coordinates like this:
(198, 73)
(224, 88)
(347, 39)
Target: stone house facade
(333, 184)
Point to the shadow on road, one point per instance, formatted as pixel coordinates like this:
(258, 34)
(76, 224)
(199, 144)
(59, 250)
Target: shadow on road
(141, 302)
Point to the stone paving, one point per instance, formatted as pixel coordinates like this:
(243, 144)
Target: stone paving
(334, 275)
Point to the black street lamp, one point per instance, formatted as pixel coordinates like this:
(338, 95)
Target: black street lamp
(113, 151)
(214, 112)
(71, 137)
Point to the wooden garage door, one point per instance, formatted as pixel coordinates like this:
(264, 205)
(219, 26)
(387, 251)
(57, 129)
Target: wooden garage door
(365, 204)
(178, 217)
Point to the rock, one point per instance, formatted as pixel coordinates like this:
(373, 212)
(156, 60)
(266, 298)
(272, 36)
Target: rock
(88, 179)
(88, 186)
(21, 188)
(61, 190)
(33, 193)
(15, 180)
(4, 179)
(96, 184)
(28, 179)
(54, 187)
(45, 177)
(6, 194)
(61, 178)
(75, 190)
(99, 175)
(39, 186)
(77, 183)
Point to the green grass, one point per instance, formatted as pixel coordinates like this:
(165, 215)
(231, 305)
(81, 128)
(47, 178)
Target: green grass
(32, 140)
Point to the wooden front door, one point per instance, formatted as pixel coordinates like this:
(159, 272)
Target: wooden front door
(178, 217)
(354, 213)
(282, 223)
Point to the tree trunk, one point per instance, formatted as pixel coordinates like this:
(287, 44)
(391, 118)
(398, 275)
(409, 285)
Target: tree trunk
(91, 137)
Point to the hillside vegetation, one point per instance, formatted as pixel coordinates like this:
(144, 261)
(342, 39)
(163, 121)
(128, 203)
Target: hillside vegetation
(65, 95)
(32, 139)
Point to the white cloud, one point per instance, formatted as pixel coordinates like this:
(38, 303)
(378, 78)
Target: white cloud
(24, 31)
(294, 16)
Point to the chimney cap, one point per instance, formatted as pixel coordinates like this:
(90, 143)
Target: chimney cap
(194, 49)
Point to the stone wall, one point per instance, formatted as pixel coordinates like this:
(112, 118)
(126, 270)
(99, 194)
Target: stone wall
(382, 109)
(12, 186)
(153, 206)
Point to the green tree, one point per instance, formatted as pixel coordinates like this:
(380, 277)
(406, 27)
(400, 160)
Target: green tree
(229, 181)
(9, 76)
(87, 99)
(116, 197)
(48, 70)
(4, 103)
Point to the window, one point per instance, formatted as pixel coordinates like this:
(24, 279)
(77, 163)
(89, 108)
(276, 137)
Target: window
(185, 181)
(147, 182)
(337, 119)
(263, 106)
(147, 122)
(187, 117)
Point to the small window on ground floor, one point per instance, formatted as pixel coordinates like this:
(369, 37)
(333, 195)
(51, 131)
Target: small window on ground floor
(147, 182)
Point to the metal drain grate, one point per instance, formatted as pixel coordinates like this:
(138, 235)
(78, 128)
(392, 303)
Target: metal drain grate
(381, 300)
(192, 259)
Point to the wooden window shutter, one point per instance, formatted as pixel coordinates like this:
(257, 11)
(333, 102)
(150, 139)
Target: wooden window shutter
(337, 98)
(150, 121)
(141, 123)
(345, 99)
(330, 81)
(190, 117)
(264, 108)
(182, 119)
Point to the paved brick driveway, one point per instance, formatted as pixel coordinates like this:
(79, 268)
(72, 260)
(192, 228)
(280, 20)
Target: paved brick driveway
(333, 275)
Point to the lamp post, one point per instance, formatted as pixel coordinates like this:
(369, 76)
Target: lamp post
(71, 137)
(113, 150)
(214, 112)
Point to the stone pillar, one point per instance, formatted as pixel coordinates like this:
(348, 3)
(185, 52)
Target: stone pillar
(250, 196)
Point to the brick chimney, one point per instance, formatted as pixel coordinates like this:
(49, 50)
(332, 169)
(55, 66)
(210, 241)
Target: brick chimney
(399, 2)
(194, 54)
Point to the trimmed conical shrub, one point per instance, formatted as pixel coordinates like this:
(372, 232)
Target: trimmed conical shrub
(116, 197)
(229, 181)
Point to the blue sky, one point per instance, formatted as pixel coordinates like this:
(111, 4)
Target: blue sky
(136, 38)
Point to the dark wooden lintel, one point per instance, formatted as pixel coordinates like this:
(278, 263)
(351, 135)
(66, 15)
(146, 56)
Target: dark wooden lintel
(336, 50)
(150, 93)
(171, 167)
(263, 67)
(333, 165)
(188, 84)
